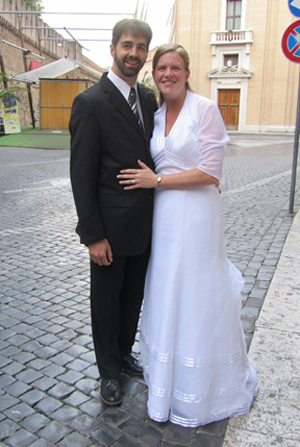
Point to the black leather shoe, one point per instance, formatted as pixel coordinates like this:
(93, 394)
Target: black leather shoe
(131, 365)
(111, 392)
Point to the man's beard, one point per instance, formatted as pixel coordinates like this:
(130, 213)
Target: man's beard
(126, 70)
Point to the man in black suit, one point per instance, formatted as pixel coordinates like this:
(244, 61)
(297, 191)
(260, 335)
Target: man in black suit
(108, 134)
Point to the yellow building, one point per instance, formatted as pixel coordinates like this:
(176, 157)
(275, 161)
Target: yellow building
(237, 60)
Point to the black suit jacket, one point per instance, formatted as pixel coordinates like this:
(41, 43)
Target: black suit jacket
(105, 138)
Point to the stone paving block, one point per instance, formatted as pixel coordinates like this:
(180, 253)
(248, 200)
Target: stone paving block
(68, 334)
(206, 441)
(53, 370)
(7, 401)
(23, 357)
(4, 361)
(178, 434)
(46, 352)
(87, 385)
(93, 407)
(139, 410)
(142, 431)
(28, 376)
(54, 432)
(48, 405)
(129, 441)
(250, 313)
(3, 344)
(9, 322)
(114, 417)
(6, 380)
(42, 443)
(75, 439)
(78, 365)
(62, 359)
(7, 428)
(83, 340)
(70, 377)
(105, 435)
(48, 339)
(75, 325)
(17, 388)
(31, 346)
(44, 383)
(92, 372)
(65, 414)
(62, 345)
(38, 364)
(248, 326)
(131, 387)
(42, 324)
(20, 438)
(258, 293)
(19, 412)
(10, 351)
(84, 424)
(61, 391)
(54, 328)
(33, 320)
(85, 330)
(32, 397)
(35, 422)
(89, 357)
(76, 398)
(161, 426)
(215, 428)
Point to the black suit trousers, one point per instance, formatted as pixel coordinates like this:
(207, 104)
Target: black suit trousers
(116, 298)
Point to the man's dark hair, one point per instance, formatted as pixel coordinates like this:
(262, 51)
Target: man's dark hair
(134, 26)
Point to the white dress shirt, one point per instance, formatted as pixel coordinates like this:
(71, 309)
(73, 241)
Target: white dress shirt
(125, 90)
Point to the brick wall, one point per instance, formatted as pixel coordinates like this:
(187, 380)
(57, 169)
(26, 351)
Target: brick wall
(13, 57)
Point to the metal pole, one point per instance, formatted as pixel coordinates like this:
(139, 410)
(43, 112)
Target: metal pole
(295, 156)
(5, 84)
(71, 13)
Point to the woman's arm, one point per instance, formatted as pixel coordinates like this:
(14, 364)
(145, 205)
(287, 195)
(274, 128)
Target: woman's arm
(146, 178)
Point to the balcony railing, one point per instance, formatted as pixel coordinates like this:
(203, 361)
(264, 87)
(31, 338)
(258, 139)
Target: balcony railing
(231, 37)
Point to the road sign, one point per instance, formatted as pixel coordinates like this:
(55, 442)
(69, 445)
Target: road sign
(290, 42)
(294, 6)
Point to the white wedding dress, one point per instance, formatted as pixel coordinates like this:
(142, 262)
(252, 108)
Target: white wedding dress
(192, 343)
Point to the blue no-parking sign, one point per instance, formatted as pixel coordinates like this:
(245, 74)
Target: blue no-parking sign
(294, 6)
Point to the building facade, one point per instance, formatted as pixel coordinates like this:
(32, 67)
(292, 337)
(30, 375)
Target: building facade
(237, 60)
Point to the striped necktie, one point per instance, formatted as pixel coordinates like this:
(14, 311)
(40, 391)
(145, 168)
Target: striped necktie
(133, 105)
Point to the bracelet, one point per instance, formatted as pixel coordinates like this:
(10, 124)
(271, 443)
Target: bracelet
(158, 180)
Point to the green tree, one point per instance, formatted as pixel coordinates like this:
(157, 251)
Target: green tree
(9, 92)
(147, 80)
(34, 5)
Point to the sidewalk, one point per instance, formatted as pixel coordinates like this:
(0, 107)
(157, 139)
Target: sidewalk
(274, 419)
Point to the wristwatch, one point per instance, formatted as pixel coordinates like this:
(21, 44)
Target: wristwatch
(158, 181)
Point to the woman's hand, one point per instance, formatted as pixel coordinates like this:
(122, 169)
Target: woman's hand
(138, 178)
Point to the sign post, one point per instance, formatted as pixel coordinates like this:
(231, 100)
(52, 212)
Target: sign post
(291, 47)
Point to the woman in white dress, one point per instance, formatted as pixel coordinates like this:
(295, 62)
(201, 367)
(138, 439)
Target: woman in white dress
(192, 343)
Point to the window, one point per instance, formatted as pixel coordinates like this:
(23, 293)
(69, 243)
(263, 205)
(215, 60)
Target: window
(234, 58)
(234, 11)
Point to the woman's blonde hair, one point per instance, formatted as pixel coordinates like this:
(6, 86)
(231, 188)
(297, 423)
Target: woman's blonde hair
(167, 48)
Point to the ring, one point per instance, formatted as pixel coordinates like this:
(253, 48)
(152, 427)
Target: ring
(133, 181)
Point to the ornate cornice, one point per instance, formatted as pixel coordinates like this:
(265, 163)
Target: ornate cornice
(229, 72)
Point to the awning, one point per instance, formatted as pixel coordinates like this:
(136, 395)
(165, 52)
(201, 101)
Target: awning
(53, 70)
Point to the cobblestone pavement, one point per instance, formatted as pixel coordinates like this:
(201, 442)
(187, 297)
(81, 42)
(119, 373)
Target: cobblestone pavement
(49, 388)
